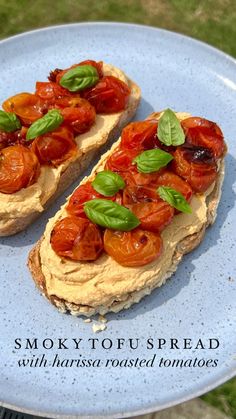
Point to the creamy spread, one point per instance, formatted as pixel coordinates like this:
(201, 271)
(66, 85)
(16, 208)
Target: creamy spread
(103, 281)
(31, 199)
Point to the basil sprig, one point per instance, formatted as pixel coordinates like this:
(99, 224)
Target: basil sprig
(107, 183)
(79, 78)
(152, 160)
(9, 122)
(169, 130)
(47, 123)
(174, 198)
(109, 214)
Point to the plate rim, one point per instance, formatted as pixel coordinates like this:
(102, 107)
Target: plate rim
(229, 375)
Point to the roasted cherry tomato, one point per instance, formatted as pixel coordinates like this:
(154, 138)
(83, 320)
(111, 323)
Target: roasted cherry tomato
(204, 133)
(77, 239)
(121, 161)
(79, 116)
(57, 74)
(141, 135)
(154, 216)
(138, 193)
(50, 91)
(19, 168)
(26, 106)
(55, 147)
(8, 138)
(132, 248)
(199, 172)
(167, 178)
(109, 95)
(83, 194)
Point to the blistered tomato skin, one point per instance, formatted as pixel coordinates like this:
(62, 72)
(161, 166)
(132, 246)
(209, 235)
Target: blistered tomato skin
(19, 168)
(85, 193)
(81, 195)
(199, 175)
(141, 135)
(28, 107)
(134, 248)
(80, 115)
(109, 95)
(154, 216)
(167, 178)
(55, 147)
(204, 133)
(77, 239)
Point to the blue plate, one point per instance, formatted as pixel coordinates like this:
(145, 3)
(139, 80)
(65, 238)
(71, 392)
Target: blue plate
(199, 300)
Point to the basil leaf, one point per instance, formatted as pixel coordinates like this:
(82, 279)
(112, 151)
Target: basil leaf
(152, 160)
(169, 130)
(79, 78)
(47, 123)
(108, 183)
(9, 122)
(174, 198)
(110, 214)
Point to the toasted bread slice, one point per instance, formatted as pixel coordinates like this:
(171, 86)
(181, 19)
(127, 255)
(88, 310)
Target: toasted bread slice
(20, 209)
(104, 285)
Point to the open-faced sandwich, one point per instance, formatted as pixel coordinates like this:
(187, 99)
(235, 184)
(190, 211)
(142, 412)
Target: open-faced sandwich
(124, 230)
(47, 138)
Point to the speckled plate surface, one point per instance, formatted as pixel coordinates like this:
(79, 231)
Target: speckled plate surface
(199, 300)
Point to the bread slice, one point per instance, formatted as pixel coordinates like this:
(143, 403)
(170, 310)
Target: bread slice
(20, 209)
(104, 285)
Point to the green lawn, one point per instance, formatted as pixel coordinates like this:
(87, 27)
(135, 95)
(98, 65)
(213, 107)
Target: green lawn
(213, 21)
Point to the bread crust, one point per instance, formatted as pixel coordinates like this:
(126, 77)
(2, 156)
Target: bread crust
(182, 247)
(75, 168)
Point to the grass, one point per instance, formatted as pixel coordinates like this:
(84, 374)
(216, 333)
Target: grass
(212, 21)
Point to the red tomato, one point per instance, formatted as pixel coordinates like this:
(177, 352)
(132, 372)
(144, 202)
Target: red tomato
(167, 178)
(200, 175)
(135, 194)
(140, 135)
(55, 147)
(19, 168)
(154, 216)
(132, 248)
(122, 161)
(80, 116)
(26, 106)
(8, 138)
(77, 239)
(109, 95)
(204, 133)
(81, 195)
(57, 74)
(51, 91)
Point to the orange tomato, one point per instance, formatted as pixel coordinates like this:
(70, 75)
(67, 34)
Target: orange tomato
(77, 239)
(132, 248)
(26, 106)
(19, 168)
(55, 147)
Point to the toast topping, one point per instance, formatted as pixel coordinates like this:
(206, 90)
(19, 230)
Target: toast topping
(158, 185)
(58, 111)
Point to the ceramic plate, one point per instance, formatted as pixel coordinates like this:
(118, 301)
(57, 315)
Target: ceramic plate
(199, 300)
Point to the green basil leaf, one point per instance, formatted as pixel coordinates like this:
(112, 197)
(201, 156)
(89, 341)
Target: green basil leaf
(79, 78)
(152, 160)
(174, 198)
(107, 183)
(9, 122)
(169, 130)
(109, 214)
(47, 123)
